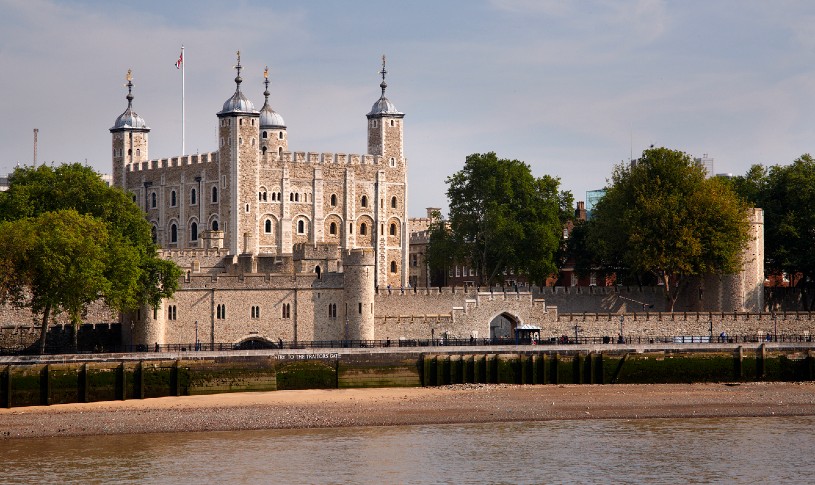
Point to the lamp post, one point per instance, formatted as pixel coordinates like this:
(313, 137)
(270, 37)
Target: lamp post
(197, 345)
(622, 320)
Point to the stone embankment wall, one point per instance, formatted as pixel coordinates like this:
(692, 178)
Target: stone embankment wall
(44, 381)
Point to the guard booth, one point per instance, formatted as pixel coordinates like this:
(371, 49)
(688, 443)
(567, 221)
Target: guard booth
(526, 333)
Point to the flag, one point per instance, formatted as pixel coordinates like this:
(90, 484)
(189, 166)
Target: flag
(180, 60)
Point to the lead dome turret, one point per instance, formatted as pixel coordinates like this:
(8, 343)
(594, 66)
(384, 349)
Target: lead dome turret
(129, 120)
(238, 103)
(269, 118)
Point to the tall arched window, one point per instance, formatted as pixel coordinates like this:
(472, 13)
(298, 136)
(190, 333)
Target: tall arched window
(214, 194)
(393, 229)
(393, 202)
(268, 226)
(153, 200)
(333, 200)
(193, 197)
(332, 229)
(363, 229)
(364, 201)
(301, 227)
(194, 231)
(172, 198)
(215, 225)
(173, 233)
(393, 266)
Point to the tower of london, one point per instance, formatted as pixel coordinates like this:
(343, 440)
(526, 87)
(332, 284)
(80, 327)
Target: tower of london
(254, 197)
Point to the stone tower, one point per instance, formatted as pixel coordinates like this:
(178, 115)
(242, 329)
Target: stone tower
(238, 133)
(129, 138)
(273, 137)
(358, 292)
(385, 139)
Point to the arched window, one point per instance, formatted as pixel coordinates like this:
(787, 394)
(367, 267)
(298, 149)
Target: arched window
(268, 226)
(280, 135)
(332, 229)
(301, 227)
(363, 229)
(214, 194)
(153, 200)
(173, 233)
(287, 310)
(280, 151)
(393, 266)
(172, 198)
(265, 134)
(364, 201)
(291, 197)
(194, 231)
(193, 197)
(297, 197)
(393, 202)
(263, 150)
(215, 225)
(333, 200)
(318, 270)
(393, 229)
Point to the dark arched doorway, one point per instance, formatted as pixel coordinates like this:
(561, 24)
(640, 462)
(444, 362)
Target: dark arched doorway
(502, 328)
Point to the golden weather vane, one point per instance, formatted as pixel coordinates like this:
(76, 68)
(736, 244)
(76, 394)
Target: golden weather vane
(129, 76)
(266, 72)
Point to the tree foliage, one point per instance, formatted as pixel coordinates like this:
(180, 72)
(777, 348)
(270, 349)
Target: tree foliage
(787, 195)
(662, 216)
(502, 217)
(69, 240)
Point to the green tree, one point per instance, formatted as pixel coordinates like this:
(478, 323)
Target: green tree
(661, 216)
(502, 217)
(787, 195)
(443, 250)
(126, 274)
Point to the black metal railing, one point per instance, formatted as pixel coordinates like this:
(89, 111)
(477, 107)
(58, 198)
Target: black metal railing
(407, 343)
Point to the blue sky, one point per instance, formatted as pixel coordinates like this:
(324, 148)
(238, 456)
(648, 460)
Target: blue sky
(570, 87)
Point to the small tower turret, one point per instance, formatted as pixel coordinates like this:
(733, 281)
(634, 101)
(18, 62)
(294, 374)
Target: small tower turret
(385, 126)
(273, 137)
(129, 134)
(359, 289)
(238, 150)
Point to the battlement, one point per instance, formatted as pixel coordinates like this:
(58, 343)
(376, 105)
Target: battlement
(320, 251)
(180, 161)
(359, 257)
(325, 158)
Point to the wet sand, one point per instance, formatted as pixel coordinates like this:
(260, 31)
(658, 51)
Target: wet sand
(469, 403)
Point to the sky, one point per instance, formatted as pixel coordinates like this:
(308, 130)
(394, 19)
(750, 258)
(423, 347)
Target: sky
(569, 87)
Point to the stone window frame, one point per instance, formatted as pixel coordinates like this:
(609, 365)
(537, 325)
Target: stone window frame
(286, 310)
(193, 196)
(173, 232)
(332, 229)
(392, 229)
(363, 229)
(255, 312)
(214, 195)
(172, 312)
(173, 198)
(220, 311)
(333, 200)
(301, 226)
(268, 227)
(394, 202)
(363, 201)
(194, 229)
(153, 200)
(394, 267)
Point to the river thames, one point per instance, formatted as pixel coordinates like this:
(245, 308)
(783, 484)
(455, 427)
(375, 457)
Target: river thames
(698, 450)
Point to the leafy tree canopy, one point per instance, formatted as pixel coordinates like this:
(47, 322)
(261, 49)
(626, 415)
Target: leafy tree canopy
(661, 215)
(787, 195)
(69, 240)
(502, 217)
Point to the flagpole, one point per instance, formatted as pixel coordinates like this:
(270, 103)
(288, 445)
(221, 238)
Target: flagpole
(183, 67)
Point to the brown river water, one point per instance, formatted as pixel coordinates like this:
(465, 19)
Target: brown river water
(699, 450)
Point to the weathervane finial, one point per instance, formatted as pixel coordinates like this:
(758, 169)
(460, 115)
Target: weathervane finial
(384, 71)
